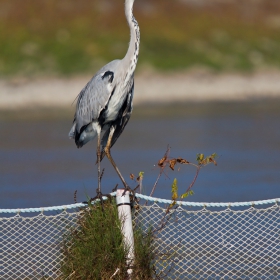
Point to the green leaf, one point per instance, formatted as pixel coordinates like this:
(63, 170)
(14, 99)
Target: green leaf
(184, 195)
(172, 204)
(200, 157)
(174, 190)
(214, 155)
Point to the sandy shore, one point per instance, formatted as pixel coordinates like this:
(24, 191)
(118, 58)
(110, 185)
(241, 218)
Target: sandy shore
(149, 87)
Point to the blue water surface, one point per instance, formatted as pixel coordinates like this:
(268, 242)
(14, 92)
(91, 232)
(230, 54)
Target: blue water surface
(41, 167)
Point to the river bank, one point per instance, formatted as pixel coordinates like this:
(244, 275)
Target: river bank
(150, 87)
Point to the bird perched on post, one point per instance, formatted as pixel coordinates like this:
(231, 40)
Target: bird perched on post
(104, 105)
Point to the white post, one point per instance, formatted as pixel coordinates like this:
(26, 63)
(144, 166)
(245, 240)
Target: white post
(124, 210)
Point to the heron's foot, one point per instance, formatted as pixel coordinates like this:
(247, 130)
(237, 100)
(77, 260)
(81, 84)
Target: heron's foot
(99, 196)
(115, 188)
(128, 189)
(131, 192)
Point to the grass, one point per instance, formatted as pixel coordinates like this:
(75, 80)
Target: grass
(70, 37)
(96, 250)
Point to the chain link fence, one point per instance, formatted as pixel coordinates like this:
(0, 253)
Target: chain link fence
(192, 241)
(205, 244)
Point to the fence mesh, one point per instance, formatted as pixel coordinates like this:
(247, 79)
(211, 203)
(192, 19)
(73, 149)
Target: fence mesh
(207, 244)
(30, 247)
(189, 244)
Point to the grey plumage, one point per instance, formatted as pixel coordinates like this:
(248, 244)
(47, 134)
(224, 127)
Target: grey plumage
(94, 106)
(104, 105)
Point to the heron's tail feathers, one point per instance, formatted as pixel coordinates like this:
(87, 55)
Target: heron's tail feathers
(83, 136)
(72, 133)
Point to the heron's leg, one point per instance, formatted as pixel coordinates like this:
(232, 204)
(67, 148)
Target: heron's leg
(98, 161)
(108, 154)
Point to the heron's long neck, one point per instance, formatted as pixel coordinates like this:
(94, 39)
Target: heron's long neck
(131, 56)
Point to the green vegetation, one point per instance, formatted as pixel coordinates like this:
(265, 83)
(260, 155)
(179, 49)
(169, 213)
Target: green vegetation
(58, 37)
(96, 250)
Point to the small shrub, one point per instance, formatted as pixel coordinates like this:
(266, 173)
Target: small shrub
(96, 249)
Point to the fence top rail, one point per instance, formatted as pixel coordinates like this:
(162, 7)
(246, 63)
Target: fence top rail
(147, 198)
(210, 204)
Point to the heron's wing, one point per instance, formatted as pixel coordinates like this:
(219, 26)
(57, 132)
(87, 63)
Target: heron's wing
(120, 122)
(94, 96)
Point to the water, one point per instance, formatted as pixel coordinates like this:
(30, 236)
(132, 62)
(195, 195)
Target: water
(40, 166)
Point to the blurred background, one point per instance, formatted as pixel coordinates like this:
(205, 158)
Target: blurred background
(63, 37)
(207, 80)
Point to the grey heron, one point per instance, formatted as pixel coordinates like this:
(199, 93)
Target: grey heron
(104, 105)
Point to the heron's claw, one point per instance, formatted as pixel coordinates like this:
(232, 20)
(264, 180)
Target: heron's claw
(98, 196)
(115, 188)
(131, 193)
(127, 189)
